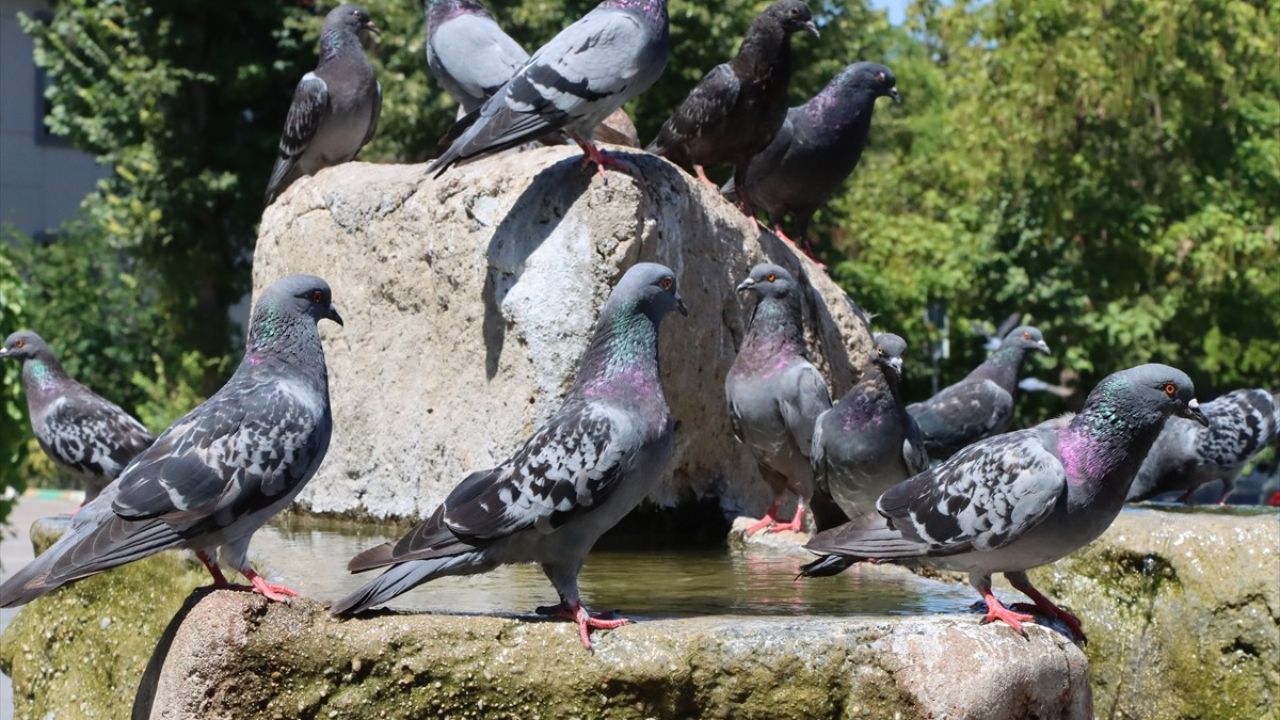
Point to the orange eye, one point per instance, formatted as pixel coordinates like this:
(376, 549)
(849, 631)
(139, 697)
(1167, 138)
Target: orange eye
(317, 297)
(1170, 389)
(1026, 336)
(665, 283)
(771, 277)
(19, 343)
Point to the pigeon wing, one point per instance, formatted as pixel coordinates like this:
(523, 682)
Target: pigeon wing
(985, 497)
(477, 54)
(92, 436)
(962, 413)
(803, 399)
(242, 451)
(703, 111)
(309, 106)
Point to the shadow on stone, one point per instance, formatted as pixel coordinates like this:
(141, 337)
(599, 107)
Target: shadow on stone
(151, 676)
(532, 219)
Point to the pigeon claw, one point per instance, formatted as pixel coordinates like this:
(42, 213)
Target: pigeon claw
(270, 590)
(586, 621)
(996, 611)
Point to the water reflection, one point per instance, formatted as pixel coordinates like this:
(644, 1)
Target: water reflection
(312, 558)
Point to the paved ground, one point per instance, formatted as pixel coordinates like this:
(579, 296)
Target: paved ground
(15, 552)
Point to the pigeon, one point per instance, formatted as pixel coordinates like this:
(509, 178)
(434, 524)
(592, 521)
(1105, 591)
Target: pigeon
(1241, 424)
(867, 442)
(81, 432)
(335, 107)
(1027, 498)
(593, 67)
(817, 147)
(735, 110)
(218, 473)
(980, 405)
(775, 394)
(579, 473)
(468, 53)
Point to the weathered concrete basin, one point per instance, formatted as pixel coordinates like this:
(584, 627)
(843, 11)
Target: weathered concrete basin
(235, 655)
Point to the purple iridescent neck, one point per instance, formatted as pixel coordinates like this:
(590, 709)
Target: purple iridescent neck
(441, 11)
(842, 104)
(655, 10)
(775, 338)
(1108, 440)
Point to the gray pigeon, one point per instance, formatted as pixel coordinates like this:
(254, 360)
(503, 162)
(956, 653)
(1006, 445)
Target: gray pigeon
(775, 394)
(1186, 455)
(980, 405)
(867, 442)
(335, 107)
(214, 477)
(84, 434)
(1023, 499)
(733, 112)
(593, 67)
(468, 53)
(817, 147)
(581, 472)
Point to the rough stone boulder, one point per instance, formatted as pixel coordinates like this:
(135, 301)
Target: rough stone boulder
(469, 299)
(236, 656)
(1183, 613)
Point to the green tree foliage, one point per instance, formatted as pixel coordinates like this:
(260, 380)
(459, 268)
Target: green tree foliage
(13, 411)
(1110, 168)
(184, 101)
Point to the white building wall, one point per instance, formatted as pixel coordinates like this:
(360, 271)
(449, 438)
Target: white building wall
(41, 182)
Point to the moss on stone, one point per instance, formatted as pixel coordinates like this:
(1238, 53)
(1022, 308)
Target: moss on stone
(80, 651)
(1183, 614)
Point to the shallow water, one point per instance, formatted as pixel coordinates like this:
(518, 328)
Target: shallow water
(311, 557)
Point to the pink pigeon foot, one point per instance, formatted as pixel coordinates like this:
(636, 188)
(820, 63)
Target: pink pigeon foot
(603, 160)
(1045, 606)
(576, 613)
(996, 611)
(796, 524)
(269, 590)
(702, 176)
(770, 517)
(801, 246)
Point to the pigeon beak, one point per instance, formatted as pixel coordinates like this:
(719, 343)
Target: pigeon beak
(333, 315)
(812, 29)
(371, 27)
(1191, 411)
(896, 364)
(746, 285)
(893, 93)
(680, 306)
(1043, 347)
(4, 352)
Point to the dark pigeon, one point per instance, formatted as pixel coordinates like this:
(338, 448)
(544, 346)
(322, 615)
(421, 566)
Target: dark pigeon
(1023, 499)
(592, 68)
(468, 53)
(735, 110)
(817, 147)
(83, 433)
(867, 442)
(578, 475)
(775, 394)
(214, 477)
(1187, 455)
(335, 107)
(981, 405)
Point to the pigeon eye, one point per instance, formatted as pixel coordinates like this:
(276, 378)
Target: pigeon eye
(19, 344)
(771, 277)
(880, 76)
(880, 352)
(1026, 336)
(665, 283)
(1170, 389)
(317, 297)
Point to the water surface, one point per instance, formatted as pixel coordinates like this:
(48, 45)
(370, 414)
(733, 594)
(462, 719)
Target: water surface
(311, 557)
